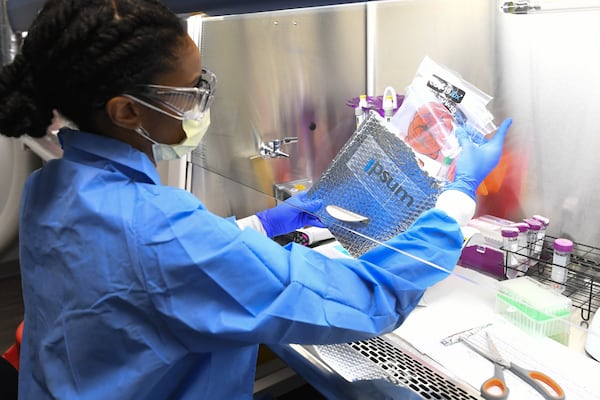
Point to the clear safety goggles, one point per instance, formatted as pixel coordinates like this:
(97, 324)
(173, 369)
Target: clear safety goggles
(180, 100)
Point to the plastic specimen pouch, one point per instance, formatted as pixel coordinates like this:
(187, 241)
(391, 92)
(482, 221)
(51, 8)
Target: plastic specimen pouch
(373, 189)
(437, 102)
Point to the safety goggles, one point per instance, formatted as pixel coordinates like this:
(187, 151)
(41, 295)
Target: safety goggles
(179, 100)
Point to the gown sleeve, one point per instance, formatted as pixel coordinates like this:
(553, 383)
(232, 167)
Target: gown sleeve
(215, 284)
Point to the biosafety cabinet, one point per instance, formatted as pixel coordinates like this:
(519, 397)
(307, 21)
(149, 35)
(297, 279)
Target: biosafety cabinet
(290, 73)
(286, 73)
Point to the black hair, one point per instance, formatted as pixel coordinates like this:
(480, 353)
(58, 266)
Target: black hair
(78, 54)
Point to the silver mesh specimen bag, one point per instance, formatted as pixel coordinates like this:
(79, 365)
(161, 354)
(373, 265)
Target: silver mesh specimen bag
(376, 176)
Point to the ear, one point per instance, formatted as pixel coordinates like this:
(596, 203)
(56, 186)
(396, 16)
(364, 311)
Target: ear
(123, 112)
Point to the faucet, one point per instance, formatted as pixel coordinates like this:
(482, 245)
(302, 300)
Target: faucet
(272, 149)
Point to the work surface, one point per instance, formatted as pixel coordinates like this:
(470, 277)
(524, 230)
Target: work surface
(465, 300)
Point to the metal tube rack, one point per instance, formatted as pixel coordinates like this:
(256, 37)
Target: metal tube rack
(583, 273)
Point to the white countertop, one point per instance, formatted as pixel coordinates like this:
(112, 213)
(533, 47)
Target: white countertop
(466, 300)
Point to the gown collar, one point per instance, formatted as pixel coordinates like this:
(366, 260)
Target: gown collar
(86, 146)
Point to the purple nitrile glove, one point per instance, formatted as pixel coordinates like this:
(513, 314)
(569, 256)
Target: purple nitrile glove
(294, 213)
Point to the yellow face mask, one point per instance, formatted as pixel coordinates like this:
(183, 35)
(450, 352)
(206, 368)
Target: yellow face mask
(190, 105)
(194, 124)
(194, 129)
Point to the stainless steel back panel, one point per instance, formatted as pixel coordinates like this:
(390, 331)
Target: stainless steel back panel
(280, 74)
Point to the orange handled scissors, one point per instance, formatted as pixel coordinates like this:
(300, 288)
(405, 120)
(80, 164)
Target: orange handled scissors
(495, 387)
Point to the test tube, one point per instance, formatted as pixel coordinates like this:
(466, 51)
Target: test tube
(542, 232)
(445, 167)
(560, 261)
(390, 103)
(388, 107)
(532, 239)
(523, 249)
(510, 242)
(361, 111)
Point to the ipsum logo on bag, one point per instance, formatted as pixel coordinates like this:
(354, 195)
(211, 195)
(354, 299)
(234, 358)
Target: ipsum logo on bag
(389, 181)
(375, 169)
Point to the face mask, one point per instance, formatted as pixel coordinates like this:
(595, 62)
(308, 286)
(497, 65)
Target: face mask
(190, 105)
(194, 124)
(194, 130)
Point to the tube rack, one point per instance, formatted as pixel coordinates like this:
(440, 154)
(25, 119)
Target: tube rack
(583, 273)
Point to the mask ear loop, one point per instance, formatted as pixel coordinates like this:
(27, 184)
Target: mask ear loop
(144, 133)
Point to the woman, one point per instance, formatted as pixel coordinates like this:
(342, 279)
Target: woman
(133, 289)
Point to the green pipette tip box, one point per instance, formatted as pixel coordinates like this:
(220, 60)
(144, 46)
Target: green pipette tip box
(535, 308)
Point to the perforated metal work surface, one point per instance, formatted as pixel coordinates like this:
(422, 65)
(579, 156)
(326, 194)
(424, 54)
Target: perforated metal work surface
(378, 358)
(405, 370)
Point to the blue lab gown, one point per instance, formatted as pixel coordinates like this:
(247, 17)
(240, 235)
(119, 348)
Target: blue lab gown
(135, 290)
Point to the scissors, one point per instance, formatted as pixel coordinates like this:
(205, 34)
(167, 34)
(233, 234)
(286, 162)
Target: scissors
(495, 387)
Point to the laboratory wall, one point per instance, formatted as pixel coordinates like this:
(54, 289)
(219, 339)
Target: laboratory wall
(16, 163)
(290, 74)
